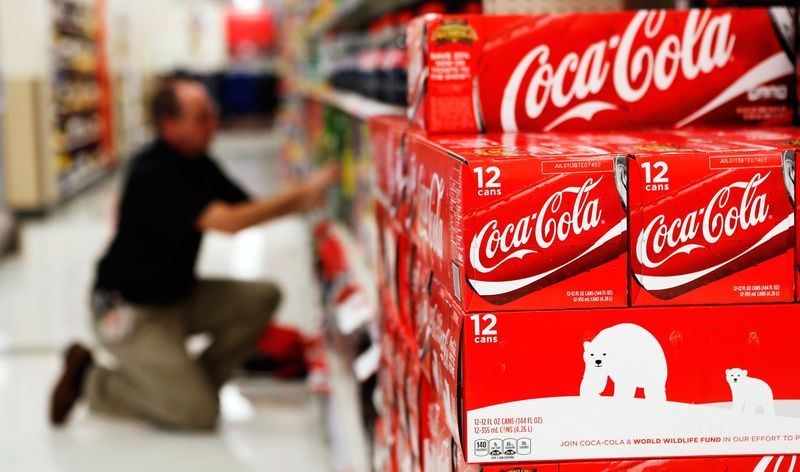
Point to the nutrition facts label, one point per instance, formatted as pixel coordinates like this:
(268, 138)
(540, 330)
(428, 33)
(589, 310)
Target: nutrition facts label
(503, 448)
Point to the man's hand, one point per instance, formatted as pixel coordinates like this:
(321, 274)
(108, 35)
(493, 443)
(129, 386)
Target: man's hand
(303, 196)
(315, 187)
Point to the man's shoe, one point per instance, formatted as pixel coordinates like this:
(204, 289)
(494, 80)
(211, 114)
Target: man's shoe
(284, 369)
(77, 360)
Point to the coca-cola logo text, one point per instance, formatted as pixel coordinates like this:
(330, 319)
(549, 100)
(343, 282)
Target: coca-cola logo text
(724, 215)
(631, 62)
(430, 213)
(556, 221)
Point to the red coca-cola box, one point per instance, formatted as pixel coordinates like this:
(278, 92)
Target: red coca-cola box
(426, 397)
(410, 414)
(787, 140)
(395, 260)
(381, 447)
(440, 451)
(797, 61)
(384, 441)
(436, 439)
(712, 219)
(446, 359)
(425, 303)
(562, 72)
(391, 401)
(386, 260)
(413, 387)
(406, 382)
(389, 328)
(519, 222)
(405, 459)
(783, 137)
(400, 370)
(387, 146)
(640, 383)
(396, 442)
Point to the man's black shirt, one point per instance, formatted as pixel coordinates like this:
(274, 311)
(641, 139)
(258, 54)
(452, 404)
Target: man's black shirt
(152, 257)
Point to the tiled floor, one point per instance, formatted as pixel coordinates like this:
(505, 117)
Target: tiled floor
(268, 425)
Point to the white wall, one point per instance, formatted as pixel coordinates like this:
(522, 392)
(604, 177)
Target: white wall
(164, 35)
(25, 38)
(169, 34)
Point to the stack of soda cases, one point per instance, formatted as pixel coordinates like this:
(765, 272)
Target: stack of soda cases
(587, 244)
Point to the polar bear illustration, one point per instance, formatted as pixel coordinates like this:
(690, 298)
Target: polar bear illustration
(631, 357)
(749, 393)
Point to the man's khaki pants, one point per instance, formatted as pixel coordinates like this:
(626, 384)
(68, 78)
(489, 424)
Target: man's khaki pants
(156, 379)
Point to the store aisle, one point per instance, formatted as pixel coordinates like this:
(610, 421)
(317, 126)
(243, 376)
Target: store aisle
(268, 425)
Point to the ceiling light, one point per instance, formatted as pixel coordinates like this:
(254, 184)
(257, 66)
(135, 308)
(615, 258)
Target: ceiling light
(247, 5)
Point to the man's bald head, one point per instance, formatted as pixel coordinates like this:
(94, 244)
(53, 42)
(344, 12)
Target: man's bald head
(184, 116)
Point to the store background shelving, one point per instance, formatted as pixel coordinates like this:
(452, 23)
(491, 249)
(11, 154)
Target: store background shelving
(348, 102)
(323, 123)
(7, 221)
(90, 63)
(127, 83)
(80, 96)
(57, 142)
(319, 130)
(350, 14)
(349, 307)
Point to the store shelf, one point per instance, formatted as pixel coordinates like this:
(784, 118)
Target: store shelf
(74, 32)
(78, 111)
(350, 103)
(79, 144)
(78, 180)
(360, 309)
(8, 231)
(354, 13)
(349, 367)
(348, 440)
(90, 74)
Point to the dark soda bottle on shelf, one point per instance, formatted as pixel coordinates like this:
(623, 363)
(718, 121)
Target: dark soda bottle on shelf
(395, 60)
(432, 7)
(472, 8)
(369, 60)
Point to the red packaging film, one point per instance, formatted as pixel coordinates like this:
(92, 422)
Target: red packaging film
(654, 382)
(516, 222)
(712, 219)
(591, 71)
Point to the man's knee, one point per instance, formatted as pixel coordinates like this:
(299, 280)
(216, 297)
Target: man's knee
(273, 297)
(194, 413)
(266, 298)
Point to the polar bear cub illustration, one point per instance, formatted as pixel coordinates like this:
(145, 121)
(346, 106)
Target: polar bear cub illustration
(631, 357)
(749, 393)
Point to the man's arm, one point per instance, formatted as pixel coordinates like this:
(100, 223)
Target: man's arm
(303, 196)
